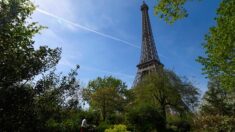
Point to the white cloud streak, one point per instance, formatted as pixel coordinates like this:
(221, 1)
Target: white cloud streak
(87, 28)
(90, 29)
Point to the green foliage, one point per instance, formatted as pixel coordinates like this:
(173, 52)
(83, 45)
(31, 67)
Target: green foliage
(106, 82)
(54, 95)
(180, 123)
(167, 95)
(26, 105)
(116, 118)
(217, 109)
(103, 126)
(157, 91)
(146, 118)
(189, 93)
(19, 60)
(117, 128)
(171, 10)
(16, 109)
(218, 101)
(70, 120)
(214, 123)
(106, 95)
(220, 47)
(166, 90)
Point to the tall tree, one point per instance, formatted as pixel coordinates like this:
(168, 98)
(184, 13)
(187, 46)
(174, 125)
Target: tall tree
(167, 90)
(19, 63)
(166, 93)
(220, 47)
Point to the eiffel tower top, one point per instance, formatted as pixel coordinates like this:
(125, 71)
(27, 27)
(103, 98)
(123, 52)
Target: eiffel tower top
(144, 6)
(148, 48)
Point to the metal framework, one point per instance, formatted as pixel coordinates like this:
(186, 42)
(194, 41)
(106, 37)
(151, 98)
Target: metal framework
(149, 60)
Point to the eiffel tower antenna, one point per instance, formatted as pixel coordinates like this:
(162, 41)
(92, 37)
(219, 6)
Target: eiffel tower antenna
(149, 60)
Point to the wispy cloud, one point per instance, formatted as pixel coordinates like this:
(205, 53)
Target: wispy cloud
(87, 28)
(91, 30)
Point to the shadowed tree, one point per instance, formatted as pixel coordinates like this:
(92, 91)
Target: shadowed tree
(20, 62)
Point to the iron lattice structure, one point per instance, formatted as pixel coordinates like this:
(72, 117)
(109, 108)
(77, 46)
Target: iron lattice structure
(149, 60)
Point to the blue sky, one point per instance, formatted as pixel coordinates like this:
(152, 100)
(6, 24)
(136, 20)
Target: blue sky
(104, 37)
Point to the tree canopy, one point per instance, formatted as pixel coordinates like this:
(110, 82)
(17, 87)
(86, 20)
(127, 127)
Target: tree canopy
(219, 46)
(20, 61)
(24, 103)
(106, 95)
(165, 93)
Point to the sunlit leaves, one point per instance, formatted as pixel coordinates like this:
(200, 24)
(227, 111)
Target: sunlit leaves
(106, 95)
(171, 10)
(219, 44)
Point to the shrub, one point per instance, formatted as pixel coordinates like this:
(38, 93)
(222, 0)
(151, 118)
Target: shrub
(146, 118)
(117, 128)
(103, 126)
(215, 123)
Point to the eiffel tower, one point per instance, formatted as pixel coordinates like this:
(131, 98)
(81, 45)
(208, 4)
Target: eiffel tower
(149, 60)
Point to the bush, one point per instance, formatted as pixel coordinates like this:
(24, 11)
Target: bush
(65, 126)
(179, 124)
(116, 118)
(117, 128)
(103, 126)
(214, 123)
(146, 118)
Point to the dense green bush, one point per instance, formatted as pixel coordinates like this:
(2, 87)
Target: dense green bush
(146, 118)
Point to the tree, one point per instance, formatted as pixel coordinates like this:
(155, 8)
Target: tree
(20, 62)
(106, 95)
(171, 10)
(219, 61)
(167, 93)
(146, 118)
(219, 43)
(189, 93)
(17, 109)
(218, 101)
(157, 91)
(166, 90)
(55, 93)
(56, 101)
(217, 109)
